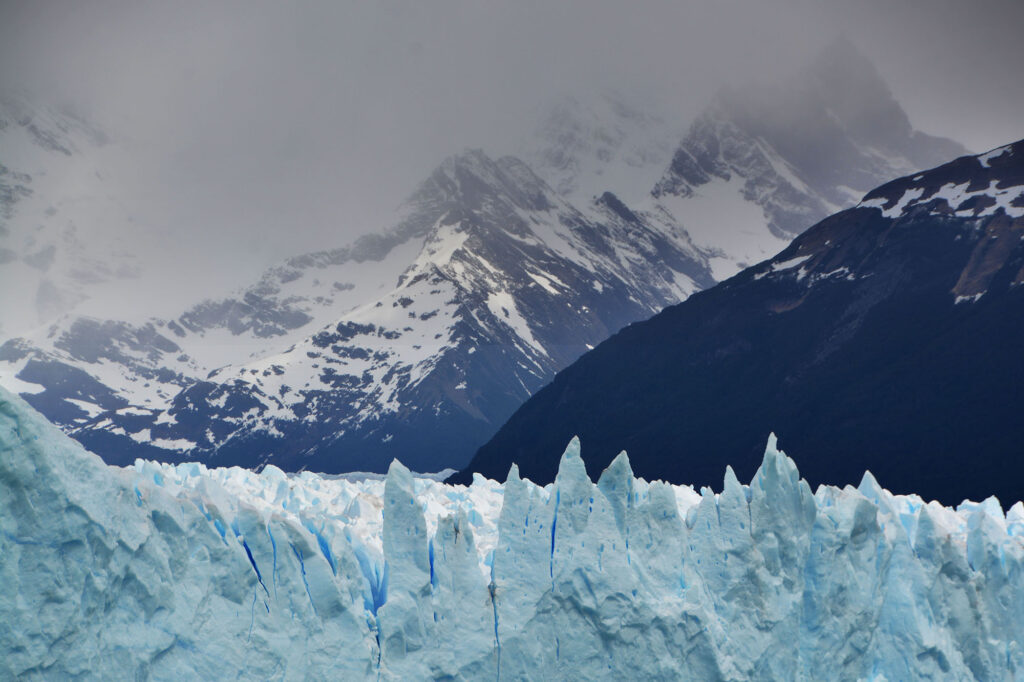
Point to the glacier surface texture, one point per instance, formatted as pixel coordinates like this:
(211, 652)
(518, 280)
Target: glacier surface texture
(182, 572)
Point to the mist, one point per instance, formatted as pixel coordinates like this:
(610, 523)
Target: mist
(250, 131)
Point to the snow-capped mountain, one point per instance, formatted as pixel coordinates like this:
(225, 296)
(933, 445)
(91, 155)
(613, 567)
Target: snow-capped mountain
(91, 365)
(489, 280)
(183, 572)
(886, 337)
(55, 203)
(488, 285)
(763, 164)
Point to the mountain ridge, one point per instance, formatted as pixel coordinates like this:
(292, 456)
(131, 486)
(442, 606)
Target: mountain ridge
(418, 340)
(502, 265)
(895, 322)
(778, 159)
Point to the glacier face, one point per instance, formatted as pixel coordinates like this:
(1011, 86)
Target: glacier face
(185, 572)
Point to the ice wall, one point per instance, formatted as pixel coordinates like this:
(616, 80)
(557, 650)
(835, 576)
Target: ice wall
(187, 573)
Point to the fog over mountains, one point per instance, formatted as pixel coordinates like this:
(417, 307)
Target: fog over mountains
(419, 340)
(246, 133)
(54, 198)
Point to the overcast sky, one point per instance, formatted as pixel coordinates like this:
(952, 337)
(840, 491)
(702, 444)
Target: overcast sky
(295, 125)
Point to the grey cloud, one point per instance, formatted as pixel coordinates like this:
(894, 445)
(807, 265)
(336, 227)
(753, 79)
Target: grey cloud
(294, 126)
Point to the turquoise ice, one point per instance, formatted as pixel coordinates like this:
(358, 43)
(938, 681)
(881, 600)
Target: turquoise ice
(184, 572)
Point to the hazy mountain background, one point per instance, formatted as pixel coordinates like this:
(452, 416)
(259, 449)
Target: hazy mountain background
(225, 235)
(884, 338)
(239, 133)
(417, 342)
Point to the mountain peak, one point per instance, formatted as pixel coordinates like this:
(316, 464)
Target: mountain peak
(774, 160)
(608, 142)
(885, 337)
(469, 159)
(473, 182)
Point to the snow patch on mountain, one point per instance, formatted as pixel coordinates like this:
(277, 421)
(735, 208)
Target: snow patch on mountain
(489, 280)
(986, 158)
(723, 222)
(780, 158)
(957, 198)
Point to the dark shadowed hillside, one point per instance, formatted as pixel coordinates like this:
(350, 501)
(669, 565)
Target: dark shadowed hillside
(887, 337)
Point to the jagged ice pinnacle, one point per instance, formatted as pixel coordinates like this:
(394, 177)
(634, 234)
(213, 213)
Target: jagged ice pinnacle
(188, 572)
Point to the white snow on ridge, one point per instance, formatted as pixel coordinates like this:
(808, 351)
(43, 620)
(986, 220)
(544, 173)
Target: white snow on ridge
(90, 409)
(545, 282)
(954, 195)
(401, 330)
(9, 378)
(503, 306)
(790, 263)
(973, 298)
(724, 224)
(897, 209)
(179, 444)
(986, 159)
(188, 572)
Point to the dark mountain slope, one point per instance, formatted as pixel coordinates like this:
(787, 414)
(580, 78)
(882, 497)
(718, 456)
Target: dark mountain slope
(887, 337)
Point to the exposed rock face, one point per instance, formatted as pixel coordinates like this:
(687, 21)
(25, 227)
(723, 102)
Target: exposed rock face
(488, 285)
(886, 337)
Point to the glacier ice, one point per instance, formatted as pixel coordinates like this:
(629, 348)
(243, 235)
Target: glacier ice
(184, 572)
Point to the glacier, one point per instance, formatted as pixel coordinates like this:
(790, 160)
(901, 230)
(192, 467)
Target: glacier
(183, 572)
